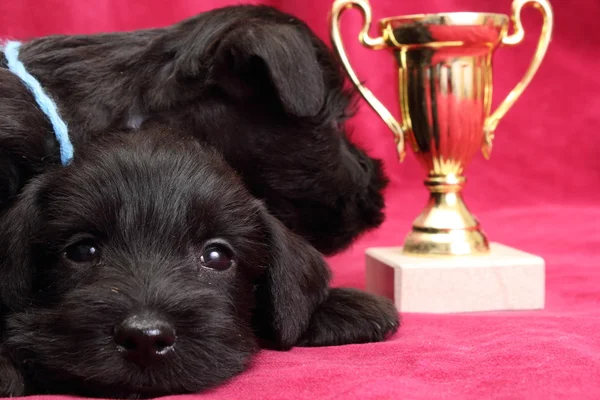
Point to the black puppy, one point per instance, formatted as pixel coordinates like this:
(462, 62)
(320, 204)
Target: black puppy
(253, 82)
(146, 268)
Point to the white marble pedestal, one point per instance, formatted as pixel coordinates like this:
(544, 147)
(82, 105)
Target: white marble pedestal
(505, 279)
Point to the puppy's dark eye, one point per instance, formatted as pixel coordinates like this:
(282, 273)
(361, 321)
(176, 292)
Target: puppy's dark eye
(216, 257)
(81, 252)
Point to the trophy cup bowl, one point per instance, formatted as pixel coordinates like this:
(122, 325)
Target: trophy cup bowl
(445, 83)
(445, 86)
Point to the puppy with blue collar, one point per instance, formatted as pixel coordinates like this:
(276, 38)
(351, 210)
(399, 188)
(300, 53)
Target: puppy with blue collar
(250, 81)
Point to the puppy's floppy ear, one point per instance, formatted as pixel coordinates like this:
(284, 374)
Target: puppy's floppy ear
(296, 282)
(296, 307)
(254, 57)
(18, 227)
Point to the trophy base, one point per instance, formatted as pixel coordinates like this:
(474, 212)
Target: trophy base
(503, 279)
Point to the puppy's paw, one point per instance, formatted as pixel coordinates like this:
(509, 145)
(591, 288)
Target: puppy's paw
(351, 316)
(12, 383)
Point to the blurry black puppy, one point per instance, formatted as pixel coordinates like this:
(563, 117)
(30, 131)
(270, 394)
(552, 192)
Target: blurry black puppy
(146, 268)
(253, 82)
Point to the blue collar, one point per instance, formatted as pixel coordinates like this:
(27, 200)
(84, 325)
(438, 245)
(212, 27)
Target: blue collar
(46, 104)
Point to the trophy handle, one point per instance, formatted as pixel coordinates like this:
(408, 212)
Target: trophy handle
(544, 6)
(339, 6)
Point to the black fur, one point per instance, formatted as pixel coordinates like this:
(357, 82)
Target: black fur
(253, 82)
(151, 201)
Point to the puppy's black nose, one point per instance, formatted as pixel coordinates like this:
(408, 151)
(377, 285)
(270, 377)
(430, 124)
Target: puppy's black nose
(144, 338)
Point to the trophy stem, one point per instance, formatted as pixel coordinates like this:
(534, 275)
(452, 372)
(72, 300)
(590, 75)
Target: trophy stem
(446, 227)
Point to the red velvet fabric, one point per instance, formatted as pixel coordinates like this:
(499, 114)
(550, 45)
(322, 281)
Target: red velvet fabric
(539, 192)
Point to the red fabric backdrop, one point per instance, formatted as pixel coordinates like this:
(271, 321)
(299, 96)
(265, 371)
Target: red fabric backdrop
(538, 192)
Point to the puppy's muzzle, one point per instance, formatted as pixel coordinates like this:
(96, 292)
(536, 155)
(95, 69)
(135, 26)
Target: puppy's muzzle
(145, 338)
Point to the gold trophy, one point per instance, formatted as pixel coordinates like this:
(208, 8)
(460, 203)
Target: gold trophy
(444, 66)
(445, 88)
